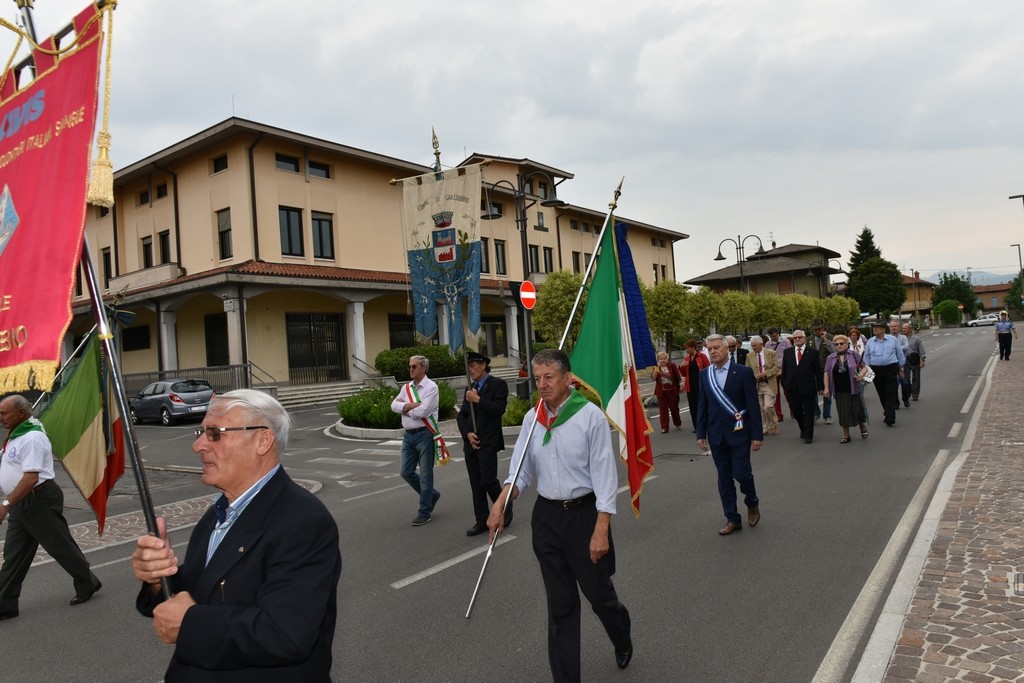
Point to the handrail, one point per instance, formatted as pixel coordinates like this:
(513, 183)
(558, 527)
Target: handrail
(252, 375)
(366, 365)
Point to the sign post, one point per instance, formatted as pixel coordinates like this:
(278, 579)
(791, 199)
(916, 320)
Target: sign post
(528, 299)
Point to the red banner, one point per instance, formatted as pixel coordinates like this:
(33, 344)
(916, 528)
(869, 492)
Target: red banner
(46, 131)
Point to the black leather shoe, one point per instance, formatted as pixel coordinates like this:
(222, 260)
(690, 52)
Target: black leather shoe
(622, 657)
(808, 440)
(476, 529)
(8, 615)
(79, 599)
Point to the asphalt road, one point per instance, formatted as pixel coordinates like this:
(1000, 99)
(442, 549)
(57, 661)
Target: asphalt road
(764, 604)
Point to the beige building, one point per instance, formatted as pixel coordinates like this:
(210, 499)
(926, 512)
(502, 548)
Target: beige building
(251, 246)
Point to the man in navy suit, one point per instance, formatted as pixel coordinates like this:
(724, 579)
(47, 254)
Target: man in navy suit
(255, 598)
(479, 421)
(803, 380)
(729, 423)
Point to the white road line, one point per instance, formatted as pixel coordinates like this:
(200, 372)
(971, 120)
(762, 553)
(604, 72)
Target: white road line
(348, 461)
(955, 430)
(977, 386)
(374, 493)
(448, 563)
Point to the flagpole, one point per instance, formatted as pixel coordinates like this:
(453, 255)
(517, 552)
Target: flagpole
(529, 435)
(106, 339)
(81, 345)
(590, 266)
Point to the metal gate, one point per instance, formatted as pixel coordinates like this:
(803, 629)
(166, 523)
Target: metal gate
(316, 348)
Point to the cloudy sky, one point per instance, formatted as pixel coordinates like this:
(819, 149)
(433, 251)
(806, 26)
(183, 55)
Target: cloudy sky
(794, 120)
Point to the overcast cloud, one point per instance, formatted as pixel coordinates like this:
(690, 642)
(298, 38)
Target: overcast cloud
(792, 119)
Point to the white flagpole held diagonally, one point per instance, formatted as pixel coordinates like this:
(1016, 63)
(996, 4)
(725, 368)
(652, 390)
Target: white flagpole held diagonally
(529, 435)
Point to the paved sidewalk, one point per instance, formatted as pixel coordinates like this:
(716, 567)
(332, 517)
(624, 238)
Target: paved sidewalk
(966, 618)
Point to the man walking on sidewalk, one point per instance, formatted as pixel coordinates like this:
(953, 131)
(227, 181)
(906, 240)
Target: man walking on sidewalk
(915, 363)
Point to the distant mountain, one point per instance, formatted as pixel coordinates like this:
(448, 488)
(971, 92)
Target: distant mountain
(978, 277)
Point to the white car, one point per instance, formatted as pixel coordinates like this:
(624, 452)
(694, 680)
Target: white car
(987, 319)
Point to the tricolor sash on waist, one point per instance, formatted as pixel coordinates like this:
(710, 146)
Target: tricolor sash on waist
(441, 454)
(724, 401)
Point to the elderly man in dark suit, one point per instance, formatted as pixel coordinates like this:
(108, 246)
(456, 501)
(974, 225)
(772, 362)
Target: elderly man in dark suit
(803, 380)
(255, 598)
(479, 421)
(729, 423)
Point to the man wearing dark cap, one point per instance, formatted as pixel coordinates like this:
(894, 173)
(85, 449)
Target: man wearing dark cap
(885, 356)
(479, 421)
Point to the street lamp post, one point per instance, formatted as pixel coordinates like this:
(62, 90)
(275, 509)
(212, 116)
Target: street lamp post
(520, 195)
(739, 242)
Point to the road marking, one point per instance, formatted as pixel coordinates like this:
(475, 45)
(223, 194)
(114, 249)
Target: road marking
(448, 563)
(374, 493)
(955, 431)
(348, 461)
(392, 442)
(374, 451)
(977, 386)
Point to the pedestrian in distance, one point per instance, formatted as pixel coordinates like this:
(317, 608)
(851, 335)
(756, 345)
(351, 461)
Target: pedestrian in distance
(729, 424)
(1003, 329)
(822, 341)
(844, 368)
(904, 380)
(667, 383)
(778, 344)
(916, 356)
(33, 509)
(884, 354)
(422, 445)
(479, 422)
(255, 597)
(693, 362)
(803, 380)
(765, 365)
(737, 354)
(571, 462)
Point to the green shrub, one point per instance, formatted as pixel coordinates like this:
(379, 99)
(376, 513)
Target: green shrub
(395, 362)
(372, 407)
(517, 408)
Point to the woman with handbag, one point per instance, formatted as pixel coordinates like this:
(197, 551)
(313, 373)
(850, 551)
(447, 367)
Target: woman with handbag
(690, 366)
(667, 379)
(844, 368)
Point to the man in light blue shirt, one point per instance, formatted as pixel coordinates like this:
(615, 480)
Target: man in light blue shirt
(571, 461)
(884, 354)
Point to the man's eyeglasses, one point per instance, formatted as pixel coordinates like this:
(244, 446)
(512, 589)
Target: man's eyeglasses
(213, 433)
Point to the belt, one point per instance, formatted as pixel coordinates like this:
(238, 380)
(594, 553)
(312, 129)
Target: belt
(416, 431)
(46, 484)
(570, 504)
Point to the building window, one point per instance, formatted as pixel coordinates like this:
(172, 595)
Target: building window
(107, 268)
(319, 170)
(219, 164)
(654, 242)
(485, 261)
(496, 209)
(540, 221)
(224, 233)
(161, 190)
(102, 212)
(165, 246)
(542, 189)
(534, 259)
(575, 261)
(143, 197)
(549, 259)
(284, 162)
(664, 272)
(135, 338)
(528, 186)
(655, 269)
(574, 225)
(147, 252)
(661, 243)
(78, 282)
(323, 235)
(291, 231)
(586, 227)
(499, 258)
(995, 302)
(586, 260)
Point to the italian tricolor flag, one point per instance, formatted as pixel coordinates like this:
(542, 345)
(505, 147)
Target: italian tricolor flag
(86, 433)
(602, 359)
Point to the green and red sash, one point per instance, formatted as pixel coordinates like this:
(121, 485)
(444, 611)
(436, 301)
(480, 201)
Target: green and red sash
(441, 454)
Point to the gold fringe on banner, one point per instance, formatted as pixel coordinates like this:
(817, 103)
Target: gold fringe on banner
(32, 374)
(101, 180)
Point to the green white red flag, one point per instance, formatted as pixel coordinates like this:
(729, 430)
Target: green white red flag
(86, 431)
(602, 360)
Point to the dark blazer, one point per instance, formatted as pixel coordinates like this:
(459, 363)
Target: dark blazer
(267, 602)
(805, 379)
(490, 409)
(741, 355)
(718, 426)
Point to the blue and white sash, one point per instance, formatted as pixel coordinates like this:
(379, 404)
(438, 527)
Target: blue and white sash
(724, 400)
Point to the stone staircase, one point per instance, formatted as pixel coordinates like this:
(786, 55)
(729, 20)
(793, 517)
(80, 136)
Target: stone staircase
(305, 395)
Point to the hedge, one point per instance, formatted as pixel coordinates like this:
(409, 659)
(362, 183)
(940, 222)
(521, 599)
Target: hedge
(372, 407)
(395, 362)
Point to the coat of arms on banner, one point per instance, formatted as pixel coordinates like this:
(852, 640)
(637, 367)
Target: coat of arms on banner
(442, 235)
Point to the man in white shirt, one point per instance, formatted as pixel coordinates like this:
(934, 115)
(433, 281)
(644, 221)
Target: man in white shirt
(417, 404)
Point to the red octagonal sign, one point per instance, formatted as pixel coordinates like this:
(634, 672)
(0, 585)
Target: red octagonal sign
(528, 295)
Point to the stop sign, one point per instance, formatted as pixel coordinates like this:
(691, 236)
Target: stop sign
(528, 295)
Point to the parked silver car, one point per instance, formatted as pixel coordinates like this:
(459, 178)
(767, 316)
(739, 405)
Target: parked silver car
(987, 319)
(170, 400)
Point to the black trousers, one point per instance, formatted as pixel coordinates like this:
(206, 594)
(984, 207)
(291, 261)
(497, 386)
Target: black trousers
(561, 542)
(38, 520)
(803, 410)
(482, 467)
(693, 400)
(1005, 342)
(887, 378)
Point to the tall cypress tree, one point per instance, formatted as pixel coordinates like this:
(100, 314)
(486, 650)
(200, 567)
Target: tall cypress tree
(864, 249)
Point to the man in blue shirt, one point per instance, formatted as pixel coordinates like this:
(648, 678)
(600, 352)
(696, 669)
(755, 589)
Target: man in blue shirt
(884, 354)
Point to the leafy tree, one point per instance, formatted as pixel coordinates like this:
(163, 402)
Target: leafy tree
(835, 311)
(958, 288)
(703, 309)
(1013, 297)
(666, 307)
(878, 286)
(948, 312)
(554, 304)
(737, 311)
(864, 249)
(804, 310)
